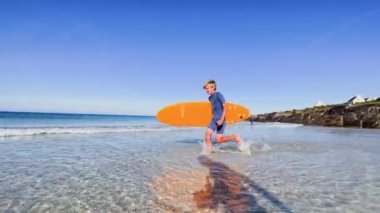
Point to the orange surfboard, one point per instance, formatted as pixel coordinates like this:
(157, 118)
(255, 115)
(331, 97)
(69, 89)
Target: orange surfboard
(198, 114)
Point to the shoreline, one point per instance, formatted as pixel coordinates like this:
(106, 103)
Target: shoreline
(361, 116)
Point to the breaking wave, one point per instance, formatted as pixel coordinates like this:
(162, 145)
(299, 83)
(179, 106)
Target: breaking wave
(34, 131)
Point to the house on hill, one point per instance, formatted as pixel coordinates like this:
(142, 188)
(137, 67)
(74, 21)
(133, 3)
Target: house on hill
(370, 99)
(355, 100)
(319, 104)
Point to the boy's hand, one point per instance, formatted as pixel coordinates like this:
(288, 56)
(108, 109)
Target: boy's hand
(220, 122)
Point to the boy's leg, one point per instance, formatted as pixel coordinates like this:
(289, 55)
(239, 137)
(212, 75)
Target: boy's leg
(224, 139)
(208, 137)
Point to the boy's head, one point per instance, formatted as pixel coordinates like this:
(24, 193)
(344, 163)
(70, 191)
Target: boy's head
(210, 87)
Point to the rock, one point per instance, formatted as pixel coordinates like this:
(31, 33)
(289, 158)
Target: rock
(370, 120)
(333, 120)
(360, 116)
(351, 119)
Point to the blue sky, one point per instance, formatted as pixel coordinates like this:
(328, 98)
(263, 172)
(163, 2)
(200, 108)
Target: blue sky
(134, 57)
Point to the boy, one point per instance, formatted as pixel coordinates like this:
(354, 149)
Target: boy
(217, 122)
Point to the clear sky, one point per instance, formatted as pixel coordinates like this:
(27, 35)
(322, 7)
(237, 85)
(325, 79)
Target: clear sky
(134, 57)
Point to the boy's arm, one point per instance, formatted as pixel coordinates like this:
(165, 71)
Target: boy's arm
(221, 98)
(220, 122)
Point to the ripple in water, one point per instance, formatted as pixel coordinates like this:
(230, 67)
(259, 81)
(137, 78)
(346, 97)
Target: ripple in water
(219, 188)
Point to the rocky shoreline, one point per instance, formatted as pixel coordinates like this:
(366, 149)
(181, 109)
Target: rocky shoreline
(366, 115)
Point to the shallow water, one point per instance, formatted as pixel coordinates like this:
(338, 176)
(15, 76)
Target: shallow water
(291, 168)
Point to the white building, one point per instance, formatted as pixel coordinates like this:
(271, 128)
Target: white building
(319, 104)
(356, 99)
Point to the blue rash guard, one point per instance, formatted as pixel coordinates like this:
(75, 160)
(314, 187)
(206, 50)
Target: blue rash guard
(217, 101)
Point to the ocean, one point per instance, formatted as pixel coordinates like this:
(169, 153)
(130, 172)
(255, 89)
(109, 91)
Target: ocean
(53, 162)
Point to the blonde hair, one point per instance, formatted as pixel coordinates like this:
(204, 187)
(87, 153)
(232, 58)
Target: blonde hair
(212, 83)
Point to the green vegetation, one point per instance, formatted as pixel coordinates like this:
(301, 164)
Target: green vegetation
(369, 103)
(335, 105)
(321, 109)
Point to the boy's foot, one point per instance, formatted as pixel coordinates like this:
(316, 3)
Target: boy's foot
(207, 151)
(207, 148)
(244, 147)
(237, 140)
(240, 146)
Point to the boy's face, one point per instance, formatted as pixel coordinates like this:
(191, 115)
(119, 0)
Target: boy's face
(209, 89)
